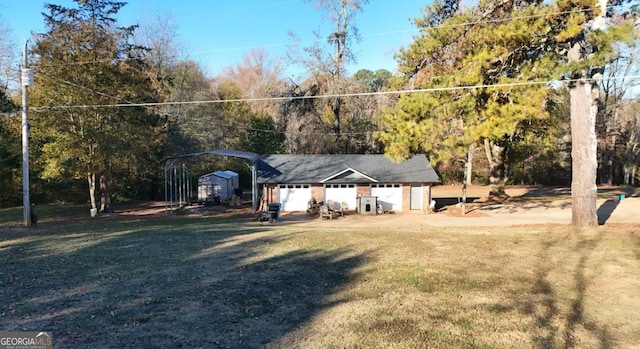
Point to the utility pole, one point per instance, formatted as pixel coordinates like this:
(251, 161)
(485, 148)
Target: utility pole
(26, 80)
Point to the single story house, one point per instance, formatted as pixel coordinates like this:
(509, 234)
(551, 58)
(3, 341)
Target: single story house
(293, 180)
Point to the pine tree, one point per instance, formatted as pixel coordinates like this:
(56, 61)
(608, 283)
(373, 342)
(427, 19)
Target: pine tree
(473, 62)
(486, 69)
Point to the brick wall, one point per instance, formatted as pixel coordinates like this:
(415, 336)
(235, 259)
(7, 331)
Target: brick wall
(363, 190)
(317, 192)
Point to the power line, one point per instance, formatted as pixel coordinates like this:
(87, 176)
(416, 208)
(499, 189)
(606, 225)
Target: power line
(84, 87)
(337, 95)
(288, 98)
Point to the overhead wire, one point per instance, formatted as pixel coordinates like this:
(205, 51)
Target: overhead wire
(291, 98)
(126, 103)
(325, 96)
(83, 87)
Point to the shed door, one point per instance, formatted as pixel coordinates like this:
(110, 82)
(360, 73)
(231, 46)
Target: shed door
(389, 195)
(294, 197)
(416, 197)
(341, 193)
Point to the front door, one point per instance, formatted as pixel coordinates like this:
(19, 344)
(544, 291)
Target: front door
(416, 197)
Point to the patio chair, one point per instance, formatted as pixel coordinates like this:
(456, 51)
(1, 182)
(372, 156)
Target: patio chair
(325, 212)
(312, 208)
(344, 207)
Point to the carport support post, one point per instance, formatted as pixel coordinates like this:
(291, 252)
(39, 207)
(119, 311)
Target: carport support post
(166, 208)
(253, 166)
(254, 184)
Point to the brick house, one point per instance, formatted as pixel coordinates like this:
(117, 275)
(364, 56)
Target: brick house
(293, 180)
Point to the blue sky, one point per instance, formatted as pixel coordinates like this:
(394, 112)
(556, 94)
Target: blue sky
(217, 33)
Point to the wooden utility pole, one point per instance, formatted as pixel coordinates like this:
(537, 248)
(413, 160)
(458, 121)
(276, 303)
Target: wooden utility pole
(26, 80)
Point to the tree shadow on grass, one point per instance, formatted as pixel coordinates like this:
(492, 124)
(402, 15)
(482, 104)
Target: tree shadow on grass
(534, 198)
(553, 328)
(443, 202)
(168, 285)
(548, 192)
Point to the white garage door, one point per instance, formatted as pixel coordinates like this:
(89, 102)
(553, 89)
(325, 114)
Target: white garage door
(294, 197)
(389, 195)
(341, 193)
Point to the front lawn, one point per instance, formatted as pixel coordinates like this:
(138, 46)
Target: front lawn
(231, 283)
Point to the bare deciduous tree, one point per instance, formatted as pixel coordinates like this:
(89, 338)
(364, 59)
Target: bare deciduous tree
(326, 60)
(7, 56)
(259, 77)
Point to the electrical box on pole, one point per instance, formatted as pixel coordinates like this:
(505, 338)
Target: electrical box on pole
(27, 77)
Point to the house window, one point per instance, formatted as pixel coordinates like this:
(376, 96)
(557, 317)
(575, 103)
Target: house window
(339, 185)
(385, 185)
(293, 186)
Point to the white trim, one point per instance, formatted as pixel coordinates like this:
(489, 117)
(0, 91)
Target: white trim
(347, 170)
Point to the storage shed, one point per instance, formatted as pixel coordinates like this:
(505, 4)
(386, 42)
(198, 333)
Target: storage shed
(218, 184)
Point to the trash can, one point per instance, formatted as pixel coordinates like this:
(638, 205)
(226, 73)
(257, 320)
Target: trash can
(274, 211)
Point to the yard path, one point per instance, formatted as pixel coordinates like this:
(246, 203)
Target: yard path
(611, 210)
(558, 212)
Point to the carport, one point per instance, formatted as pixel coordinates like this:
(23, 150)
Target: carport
(177, 186)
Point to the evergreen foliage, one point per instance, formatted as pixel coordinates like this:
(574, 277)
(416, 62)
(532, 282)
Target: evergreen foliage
(488, 66)
(10, 153)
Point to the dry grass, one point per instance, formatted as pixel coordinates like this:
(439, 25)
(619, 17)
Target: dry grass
(230, 283)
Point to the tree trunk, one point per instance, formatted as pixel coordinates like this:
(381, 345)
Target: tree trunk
(467, 178)
(105, 197)
(584, 144)
(336, 124)
(626, 173)
(495, 155)
(91, 178)
(584, 160)
(611, 152)
(469, 174)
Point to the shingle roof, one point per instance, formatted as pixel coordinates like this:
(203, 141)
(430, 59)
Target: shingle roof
(310, 169)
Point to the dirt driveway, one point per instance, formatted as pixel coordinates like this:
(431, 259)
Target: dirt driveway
(552, 206)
